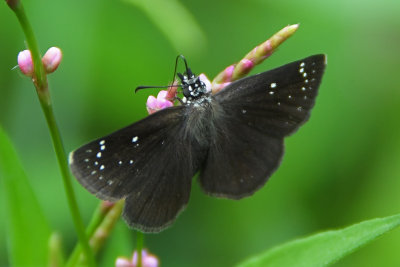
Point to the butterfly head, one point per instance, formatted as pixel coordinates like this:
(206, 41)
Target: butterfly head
(192, 87)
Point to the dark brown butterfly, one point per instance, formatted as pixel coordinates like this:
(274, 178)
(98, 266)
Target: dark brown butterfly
(233, 138)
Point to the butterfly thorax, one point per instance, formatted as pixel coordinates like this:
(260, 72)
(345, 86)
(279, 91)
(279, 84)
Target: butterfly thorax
(193, 89)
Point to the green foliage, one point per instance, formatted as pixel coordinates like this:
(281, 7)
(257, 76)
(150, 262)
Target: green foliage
(342, 166)
(27, 229)
(179, 26)
(324, 248)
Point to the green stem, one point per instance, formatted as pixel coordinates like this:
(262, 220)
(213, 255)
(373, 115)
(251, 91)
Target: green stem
(40, 82)
(69, 190)
(97, 217)
(41, 78)
(139, 247)
(100, 217)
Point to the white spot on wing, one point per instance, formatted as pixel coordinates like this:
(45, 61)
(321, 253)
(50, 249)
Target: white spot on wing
(134, 139)
(102, 147)
(102, 142)
(101, 167)
(273, 85)
(98, 155)
(131, 162)
(271, 92)
(71, 157)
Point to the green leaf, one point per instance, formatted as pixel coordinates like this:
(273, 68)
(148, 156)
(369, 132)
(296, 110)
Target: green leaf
(324, 248)
(27, 229)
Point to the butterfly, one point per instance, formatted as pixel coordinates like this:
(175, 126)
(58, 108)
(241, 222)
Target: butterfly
(234, 139)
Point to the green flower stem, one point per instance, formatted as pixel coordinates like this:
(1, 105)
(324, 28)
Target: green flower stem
(40, 81)
(139, 247)
(56, 257)
(40, 78)
(102, 212)
(253, 58)
(97, 217)
(104, 229)
(69, 190)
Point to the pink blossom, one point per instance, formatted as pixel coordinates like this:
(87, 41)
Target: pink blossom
(206, 81)
(155, 104)
(148, 260)
(52, 59)
(25, 62)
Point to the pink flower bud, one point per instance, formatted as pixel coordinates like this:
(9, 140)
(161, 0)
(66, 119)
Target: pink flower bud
(155, 104)
(123, 262)
(172, 91)
(25, 62)
(218, 87)
(106, 206)
(148, 260)
(206, 81)
(245, 65)
(52, 59)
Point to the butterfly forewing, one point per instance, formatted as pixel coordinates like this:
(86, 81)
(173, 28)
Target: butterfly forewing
(278, 101)
(256, 113)
(149, 163)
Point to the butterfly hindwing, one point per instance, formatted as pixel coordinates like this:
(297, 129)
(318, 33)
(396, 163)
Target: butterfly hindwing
(149, 163)
(256, 114)
(240, 162)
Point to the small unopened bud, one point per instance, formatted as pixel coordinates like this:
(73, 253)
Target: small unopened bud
(254, 57)
(206, 81)
(123, 262)
(148, 260)
(52, 59)
(244, 66)
(155, 104)
(25, 62)
(106, 206)
(218, 87)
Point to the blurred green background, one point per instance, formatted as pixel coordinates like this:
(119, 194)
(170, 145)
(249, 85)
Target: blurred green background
(342, 167)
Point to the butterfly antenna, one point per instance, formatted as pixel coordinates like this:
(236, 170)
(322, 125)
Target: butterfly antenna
(188, 72)
(148, 87)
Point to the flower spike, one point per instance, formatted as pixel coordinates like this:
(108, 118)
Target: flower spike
(253, 58)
